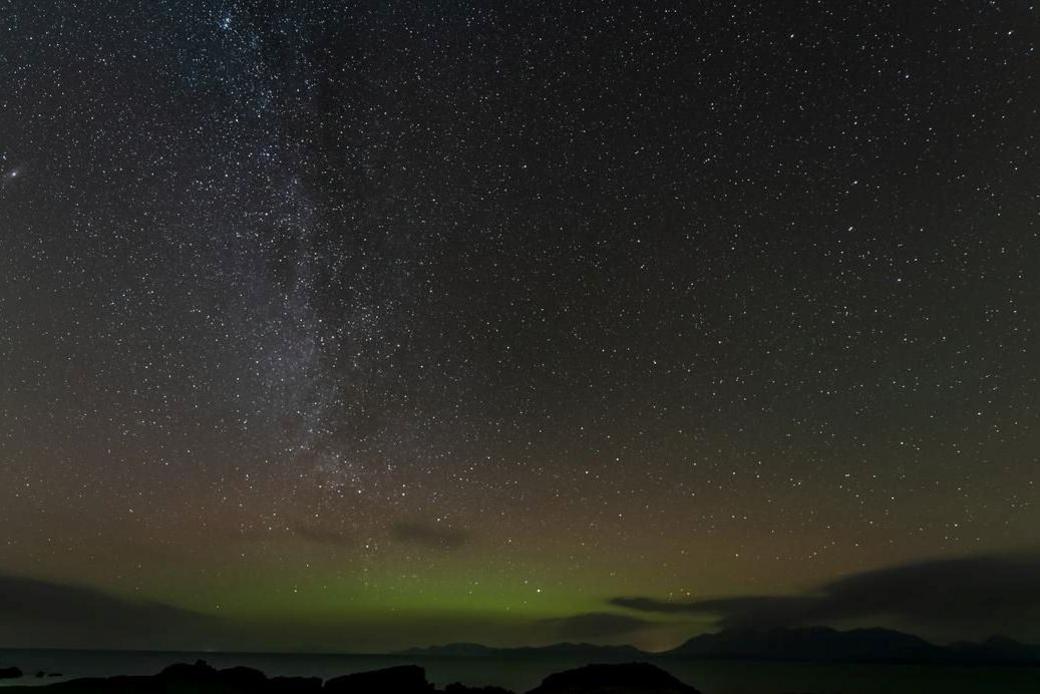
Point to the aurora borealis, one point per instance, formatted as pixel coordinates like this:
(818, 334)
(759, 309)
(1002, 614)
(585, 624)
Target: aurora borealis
(365, 325)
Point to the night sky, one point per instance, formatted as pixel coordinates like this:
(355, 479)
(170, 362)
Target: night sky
(362, 325)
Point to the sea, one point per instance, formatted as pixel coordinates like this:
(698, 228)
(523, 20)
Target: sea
(522, 674)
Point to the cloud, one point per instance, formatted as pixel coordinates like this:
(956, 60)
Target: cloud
(595, 625)
(654, 605)
(37, 613)
(41, 612)
(985, 592)
(431, 535)
(47, 614)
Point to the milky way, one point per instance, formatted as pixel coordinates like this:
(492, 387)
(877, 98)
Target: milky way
(406, 322)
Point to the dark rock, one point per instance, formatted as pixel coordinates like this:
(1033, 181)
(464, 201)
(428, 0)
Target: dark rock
(40, 674)
(241, 679)
(628, 678)
(10, 673)
(294, 685)
(459, 688)
(200, 670)
(403, 679)
(115, 685)
(201, 677)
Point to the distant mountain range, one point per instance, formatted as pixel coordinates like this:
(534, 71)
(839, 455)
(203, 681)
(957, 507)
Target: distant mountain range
(810, 644)
(814, 644)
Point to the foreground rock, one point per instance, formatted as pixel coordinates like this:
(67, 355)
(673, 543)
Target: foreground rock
(630, 678)
(10, 673)
(459, 688)
(201, 678)
(407, 679)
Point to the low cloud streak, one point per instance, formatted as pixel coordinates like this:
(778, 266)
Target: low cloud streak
(981, 593)
(596, 625)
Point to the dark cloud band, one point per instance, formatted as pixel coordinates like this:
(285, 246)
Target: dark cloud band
(986, 592)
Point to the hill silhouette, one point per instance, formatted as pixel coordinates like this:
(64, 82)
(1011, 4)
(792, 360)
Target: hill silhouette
(805, 644)
(819, 644)
(823, 644)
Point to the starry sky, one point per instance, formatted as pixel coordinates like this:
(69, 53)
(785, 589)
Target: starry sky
(362, 325)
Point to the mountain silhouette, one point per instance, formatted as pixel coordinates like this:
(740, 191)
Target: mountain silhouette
(823, 644)
(808, 644)
(813, 643)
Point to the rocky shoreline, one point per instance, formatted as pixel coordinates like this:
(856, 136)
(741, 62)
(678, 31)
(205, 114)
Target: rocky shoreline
(201, 678)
